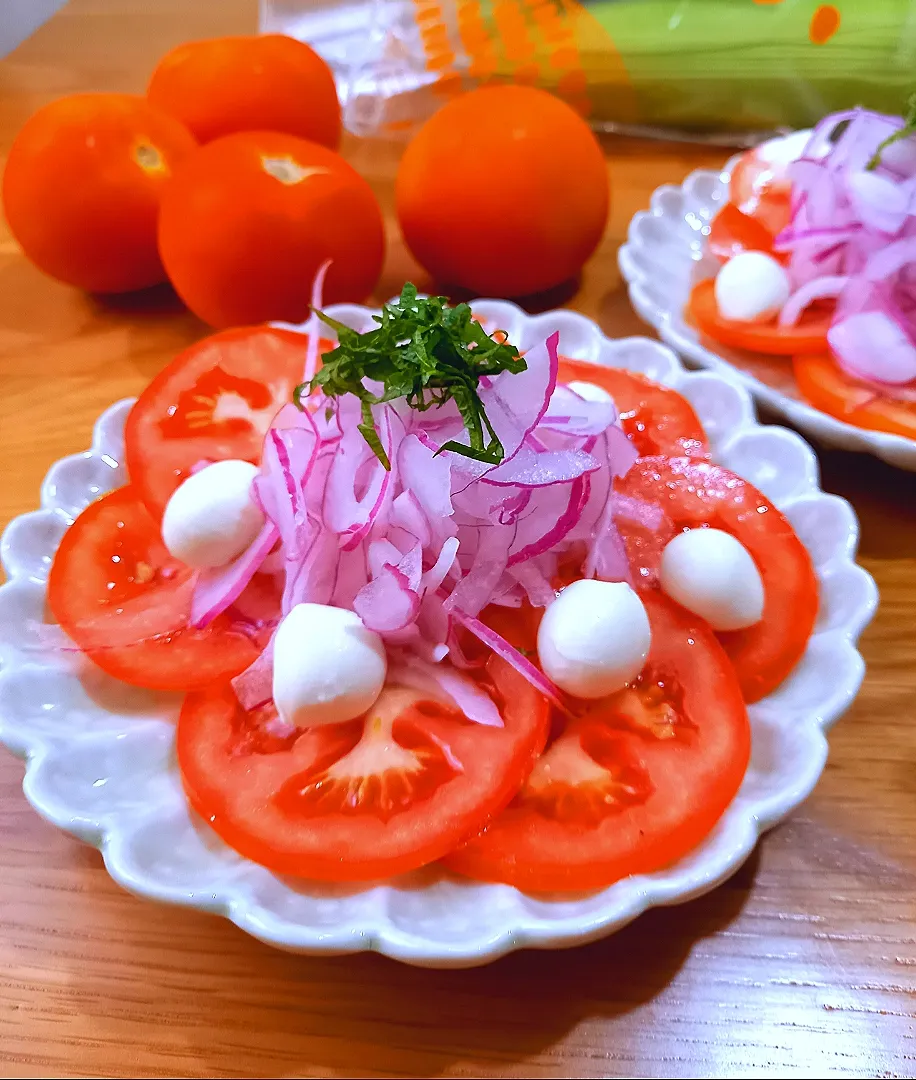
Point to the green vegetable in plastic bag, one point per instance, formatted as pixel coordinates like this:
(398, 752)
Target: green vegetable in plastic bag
(707, 67)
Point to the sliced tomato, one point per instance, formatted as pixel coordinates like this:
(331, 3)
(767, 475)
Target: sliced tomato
(808, 335)
(214, 401)
(635, 782)
(658, 419)
(125, 601)
(693, 494)
(359, 801)
(758, 194)
(829, 388)
(733, 232)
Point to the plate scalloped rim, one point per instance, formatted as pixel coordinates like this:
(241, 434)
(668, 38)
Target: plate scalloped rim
(100, 756)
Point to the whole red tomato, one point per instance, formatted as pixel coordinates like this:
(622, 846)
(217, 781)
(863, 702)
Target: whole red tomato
(504, 191)
(249, 219)
(82, 187)
(257, 82)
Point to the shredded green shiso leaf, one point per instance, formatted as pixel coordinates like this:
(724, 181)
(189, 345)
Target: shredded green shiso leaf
(427, 352)
(909, 127)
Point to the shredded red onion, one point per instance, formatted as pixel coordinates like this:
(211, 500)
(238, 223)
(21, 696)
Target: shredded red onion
(254, 687)
(512, 656)
(216, 590)
(437, 573)
(387, 603)
(571, 414)
(852, 238)
(442, 681)
(823, 288)
(423, 547)
(572, 499)
(606, 555)
(875, 334)
(313, 326)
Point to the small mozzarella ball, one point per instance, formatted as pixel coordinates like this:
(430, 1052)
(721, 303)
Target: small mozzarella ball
(328, 666)
(710, 573)
(594, 638)
(779, 153)
(590, 392)
(211, 518)
(751, 287)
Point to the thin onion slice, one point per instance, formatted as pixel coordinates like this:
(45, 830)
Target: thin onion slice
(874, 346)
(512, 656)
(443, 682)
(217, 590)
(313, 327)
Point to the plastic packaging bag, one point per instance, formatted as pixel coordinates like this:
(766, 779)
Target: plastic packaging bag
(713, 68)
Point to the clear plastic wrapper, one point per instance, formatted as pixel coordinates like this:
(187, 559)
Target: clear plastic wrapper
(721, 69)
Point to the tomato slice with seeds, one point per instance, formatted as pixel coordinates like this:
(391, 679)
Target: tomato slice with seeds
(634, 782)
(359, 801)
(658, 419)
(214, 401)
(125, 602)
(693, 494)
(827, 387)
(808, 335)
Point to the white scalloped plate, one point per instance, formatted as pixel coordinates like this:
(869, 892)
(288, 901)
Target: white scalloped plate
(665, 255)
(100, 755)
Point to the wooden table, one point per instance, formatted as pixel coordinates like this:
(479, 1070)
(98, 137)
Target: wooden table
(804, 963)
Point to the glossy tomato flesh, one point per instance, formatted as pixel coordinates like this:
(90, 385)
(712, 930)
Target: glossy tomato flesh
(363, 800)
(658, 419)
(125, 601)
(733, 232)
(692, 494)
(808, 335)
(759, 195)
(214, 401)
(634, 781)
(828, 387)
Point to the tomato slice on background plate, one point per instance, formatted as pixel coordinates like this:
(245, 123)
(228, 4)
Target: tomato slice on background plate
(695, 493)
(757, 194)
(364, 800)
(731, 232)
(125, 602)
(827, 387)
(635, 782)
(808, 335)
(658, 419)
(214, 401)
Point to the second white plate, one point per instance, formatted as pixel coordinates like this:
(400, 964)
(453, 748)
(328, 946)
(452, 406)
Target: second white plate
(665, 254)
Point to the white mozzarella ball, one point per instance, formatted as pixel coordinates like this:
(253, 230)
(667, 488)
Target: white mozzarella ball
(710, 573)
(594, 638)
(751, 287)
(211, 518)
(328, 666)
(590, 392)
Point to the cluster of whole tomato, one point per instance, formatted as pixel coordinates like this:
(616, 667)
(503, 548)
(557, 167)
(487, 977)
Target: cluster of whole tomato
(225, 179)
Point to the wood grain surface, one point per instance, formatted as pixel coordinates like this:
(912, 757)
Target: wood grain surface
(803, 964)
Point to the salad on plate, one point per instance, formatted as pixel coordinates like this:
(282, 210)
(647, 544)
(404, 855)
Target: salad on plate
(429, 598)
(817, 245)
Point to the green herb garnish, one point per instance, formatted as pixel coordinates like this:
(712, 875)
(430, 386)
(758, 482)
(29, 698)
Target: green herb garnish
(909, 128)
(427, 352)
